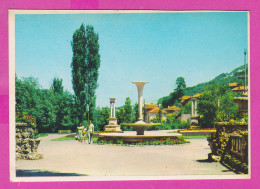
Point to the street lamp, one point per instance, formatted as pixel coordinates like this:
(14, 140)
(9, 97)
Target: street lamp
(88, 112)
(245, 52)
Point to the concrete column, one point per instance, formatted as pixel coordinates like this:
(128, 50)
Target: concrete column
(195, 107)
(192, 108)
(111, 109)
(140, 86)
(114, 109)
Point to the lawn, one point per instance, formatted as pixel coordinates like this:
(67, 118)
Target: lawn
(42, 135)
(72, 137)
(194, 136)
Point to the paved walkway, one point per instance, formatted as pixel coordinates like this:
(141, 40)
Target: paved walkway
(113, 160)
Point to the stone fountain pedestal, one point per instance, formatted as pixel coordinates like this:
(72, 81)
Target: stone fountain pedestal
(112, 126)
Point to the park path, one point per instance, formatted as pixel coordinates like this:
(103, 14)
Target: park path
(115, 160)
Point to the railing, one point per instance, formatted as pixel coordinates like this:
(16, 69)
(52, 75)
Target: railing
(238, 145)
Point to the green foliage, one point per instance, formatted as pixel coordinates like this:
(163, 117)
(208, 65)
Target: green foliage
(57, 85)
(208, 105)
(42, 135)
(102, 118)
(181, 85)
(22, 118)
(120, 114)
(85, 65)
(224, 78)
(173, 97)
(52, 110)
(128, 111)
(135, 113)
(92, 66)
(170, 123)
(186, 109)
(79, 73)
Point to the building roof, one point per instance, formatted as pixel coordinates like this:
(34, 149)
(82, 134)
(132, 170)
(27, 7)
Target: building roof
(197, 95)
(172, 108)
(150, 106)
(239, 88)
(233, 84)
(156, 110)
(185, 98)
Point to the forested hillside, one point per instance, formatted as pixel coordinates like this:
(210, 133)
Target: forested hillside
(235, 75)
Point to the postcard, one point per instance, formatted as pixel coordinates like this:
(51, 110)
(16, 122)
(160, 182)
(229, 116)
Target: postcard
(129, 95)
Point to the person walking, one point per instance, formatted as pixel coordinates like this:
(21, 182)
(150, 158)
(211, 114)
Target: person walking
(80, 128)
(90, 132)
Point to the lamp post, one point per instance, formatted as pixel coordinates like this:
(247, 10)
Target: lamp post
(88, 112)
(245, 52)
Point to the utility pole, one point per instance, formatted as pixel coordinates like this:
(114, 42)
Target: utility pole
(245, 52)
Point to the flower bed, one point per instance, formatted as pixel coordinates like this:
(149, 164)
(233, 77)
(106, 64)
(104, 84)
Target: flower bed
(196, 131)
(163, 141)
(24, 118)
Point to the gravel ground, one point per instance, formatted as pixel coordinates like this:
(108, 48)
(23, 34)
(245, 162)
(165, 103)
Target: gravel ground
(72, 157)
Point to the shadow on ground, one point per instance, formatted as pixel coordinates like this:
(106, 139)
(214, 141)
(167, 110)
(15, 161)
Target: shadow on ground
(39, 173)
(209, 161)
(204, 161)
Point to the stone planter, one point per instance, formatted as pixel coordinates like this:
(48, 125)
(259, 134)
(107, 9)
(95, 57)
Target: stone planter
(26, 146)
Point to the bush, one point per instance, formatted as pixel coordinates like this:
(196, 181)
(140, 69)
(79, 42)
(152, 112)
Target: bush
(24, 118)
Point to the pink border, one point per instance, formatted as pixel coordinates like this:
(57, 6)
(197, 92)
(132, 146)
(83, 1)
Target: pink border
(250, 5)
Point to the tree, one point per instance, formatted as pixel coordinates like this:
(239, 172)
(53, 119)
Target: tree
(207, 107)
(120, 114)
(136, 113)
(85, 65)
(57, 85)
(92, 66)
(104, 117)
(78, 66)
(186, 109)
(128, 111)
(181, 85)
(180, 82)
(208, 104)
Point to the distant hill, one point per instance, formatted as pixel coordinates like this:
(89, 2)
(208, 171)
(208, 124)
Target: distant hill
(235, 75)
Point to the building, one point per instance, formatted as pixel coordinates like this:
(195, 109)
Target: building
(172, 110)
(151, 114)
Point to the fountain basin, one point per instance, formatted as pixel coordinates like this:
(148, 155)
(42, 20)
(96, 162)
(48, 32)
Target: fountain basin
(140, 126)
(131, 137)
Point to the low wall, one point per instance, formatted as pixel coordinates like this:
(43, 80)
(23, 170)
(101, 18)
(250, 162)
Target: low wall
(26, 145)
(218, 140)
(230, 144)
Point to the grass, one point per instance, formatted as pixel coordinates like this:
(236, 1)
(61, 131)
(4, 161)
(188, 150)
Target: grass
(194, 136)
(42, 135)
(69, 137)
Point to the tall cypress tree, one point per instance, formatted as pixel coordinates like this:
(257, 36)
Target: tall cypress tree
(85, 65)
(92, 66)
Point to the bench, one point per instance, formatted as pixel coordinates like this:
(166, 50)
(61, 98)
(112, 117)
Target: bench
(64, 131)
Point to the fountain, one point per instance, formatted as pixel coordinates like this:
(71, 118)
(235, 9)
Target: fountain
(140, 126)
